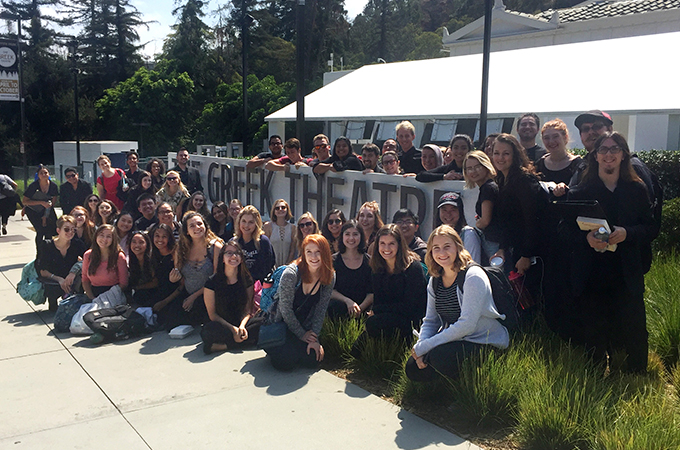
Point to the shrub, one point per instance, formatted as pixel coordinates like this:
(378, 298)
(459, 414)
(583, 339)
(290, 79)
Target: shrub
(669, 236)
(381, 357)
(666, 165)
(663, 308)
(338, 336)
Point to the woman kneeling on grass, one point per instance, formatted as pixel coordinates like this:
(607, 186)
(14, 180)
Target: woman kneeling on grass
(304, 292)
(461, 316)
(228, 296)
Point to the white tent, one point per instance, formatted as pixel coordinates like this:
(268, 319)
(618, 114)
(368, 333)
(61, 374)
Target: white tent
(633, 78)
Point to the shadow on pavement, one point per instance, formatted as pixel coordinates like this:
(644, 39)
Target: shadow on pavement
(24, 319)
(159, 342)
(417, 433)
(12, 267)
(276, 382)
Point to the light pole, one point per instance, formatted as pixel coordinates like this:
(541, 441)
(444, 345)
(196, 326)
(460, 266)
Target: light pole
(488, 11)
(246, 21)
(300, 78)
(73, 56)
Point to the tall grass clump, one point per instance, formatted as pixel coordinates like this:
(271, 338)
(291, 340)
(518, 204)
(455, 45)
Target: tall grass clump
(562, 402)
(338, 336)
(663, 308)
(381, 357)
(489, 383)
(406, 392)
(675, 379)
(648, 420)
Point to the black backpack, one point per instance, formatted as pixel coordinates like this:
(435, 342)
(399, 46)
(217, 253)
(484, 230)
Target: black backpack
(120, 322)
(504, 296)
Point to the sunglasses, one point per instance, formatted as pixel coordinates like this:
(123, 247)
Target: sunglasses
(334, 221)
(70, 175)
(171, 178)
(93, 200)
(68, 229)
(280, 208)
(306, 224)
(595, 127)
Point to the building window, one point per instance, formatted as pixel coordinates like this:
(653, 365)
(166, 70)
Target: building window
(443, 130)
(355, 130)
(386, 131)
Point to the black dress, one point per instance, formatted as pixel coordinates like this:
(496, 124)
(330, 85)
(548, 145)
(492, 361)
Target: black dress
(352, 283)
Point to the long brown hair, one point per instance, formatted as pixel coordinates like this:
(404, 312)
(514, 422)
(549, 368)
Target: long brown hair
(326, 275)
(88, 225)
(405, 256)
(185, 241)
(521, 164)
(463, 257)
(243, 272)
(626, 172)
(96, 254)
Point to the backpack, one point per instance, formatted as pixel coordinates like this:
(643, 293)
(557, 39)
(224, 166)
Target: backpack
(119, 322)
(270, 287)
(504, 297)
(66, 310)
(29, 287)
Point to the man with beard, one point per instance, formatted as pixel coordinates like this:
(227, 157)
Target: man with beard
(527, 130)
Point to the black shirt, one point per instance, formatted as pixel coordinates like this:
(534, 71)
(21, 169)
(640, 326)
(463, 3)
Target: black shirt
(489, 191)
(143, 223)
(535, 153)
(351, 162)
(410, 161)
(69, 197)
(34, 193)
(51, 259)
(231, 300)
(134, 176)
(404, 293)
(190, 177)
(352, 283)
(437, 174)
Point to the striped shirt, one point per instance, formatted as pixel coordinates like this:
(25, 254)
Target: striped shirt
(446, 303)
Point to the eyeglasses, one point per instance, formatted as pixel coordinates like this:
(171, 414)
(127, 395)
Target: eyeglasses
(171, 178)
(276, 144)
(334, 221)
(69, 229)
(70, 175)
(597, 126)
(614, 150)
(319, 147)
(404, 222)
(229, 254)
(93, 200)
(280, 208)
(165, 212)
(389, 162)
(306, 224)
(474, 168)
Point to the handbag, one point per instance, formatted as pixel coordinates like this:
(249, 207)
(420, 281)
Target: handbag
(272, 335)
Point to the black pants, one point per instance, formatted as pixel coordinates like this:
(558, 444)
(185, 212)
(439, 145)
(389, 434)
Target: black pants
(53, 292)
(42, 232)
(291, 354)
(387, 323)
(612, 318)
(215, 333)
(445, 359)
(174, 314)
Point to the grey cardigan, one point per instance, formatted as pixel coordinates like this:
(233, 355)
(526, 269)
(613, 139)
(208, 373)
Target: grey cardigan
(477, 322)
(286, 293)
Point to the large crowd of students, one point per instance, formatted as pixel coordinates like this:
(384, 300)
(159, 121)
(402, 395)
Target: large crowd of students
(153, 235)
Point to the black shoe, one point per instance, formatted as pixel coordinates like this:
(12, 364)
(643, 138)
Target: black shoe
(4, 230)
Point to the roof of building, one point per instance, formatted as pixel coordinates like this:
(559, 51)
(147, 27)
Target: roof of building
(599, 9)
(633, 77)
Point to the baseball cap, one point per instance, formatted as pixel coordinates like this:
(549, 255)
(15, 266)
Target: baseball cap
(593, 116)
(450, 198)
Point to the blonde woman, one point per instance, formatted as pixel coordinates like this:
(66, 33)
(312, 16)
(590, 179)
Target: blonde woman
(461, 317)
(173, 190)
(255, 244)
(280, 231)
(306, 225)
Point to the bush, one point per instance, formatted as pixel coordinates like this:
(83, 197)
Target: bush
(338, 336)
(381, 357)
(663, 308)
(666, 165)
(669, 236)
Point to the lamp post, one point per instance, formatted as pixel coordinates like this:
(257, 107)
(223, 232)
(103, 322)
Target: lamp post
(73, 56)
(246, 21)
(300, 78)
(488, 11)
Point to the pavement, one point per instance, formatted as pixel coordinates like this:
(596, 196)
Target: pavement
(57, 391)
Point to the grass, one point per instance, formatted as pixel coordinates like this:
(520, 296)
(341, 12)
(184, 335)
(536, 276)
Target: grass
(542, 393)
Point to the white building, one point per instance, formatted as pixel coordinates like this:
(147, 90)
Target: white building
(538, 64)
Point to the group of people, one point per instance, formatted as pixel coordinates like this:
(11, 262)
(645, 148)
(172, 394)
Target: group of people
(207, 267)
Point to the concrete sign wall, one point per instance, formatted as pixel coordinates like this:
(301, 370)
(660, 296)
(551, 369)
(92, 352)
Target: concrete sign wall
(225, 178)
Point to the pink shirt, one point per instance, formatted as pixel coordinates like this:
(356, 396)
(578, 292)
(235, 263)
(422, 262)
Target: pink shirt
(102, 276)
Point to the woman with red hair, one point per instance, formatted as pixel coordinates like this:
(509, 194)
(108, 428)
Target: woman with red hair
(304, 293)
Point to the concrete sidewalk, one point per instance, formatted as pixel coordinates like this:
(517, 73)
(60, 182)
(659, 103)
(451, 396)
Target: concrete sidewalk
(59, 392)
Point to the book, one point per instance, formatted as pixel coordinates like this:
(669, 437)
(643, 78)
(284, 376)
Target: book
(592, 223)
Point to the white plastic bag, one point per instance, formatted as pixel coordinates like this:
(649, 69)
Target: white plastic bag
(111, 298)
(78, 325)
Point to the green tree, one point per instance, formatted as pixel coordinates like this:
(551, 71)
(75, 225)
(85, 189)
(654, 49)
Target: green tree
(159, 98)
